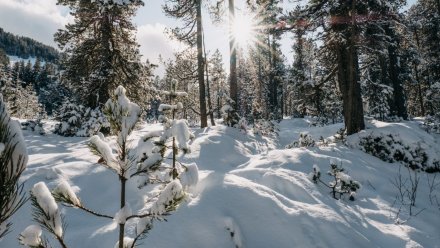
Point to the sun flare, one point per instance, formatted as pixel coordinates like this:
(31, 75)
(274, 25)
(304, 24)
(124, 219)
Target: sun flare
(244, 30)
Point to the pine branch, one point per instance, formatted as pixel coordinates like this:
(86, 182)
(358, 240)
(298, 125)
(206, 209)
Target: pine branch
(46, 221)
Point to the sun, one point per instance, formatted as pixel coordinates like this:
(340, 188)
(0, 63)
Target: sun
(244, 30)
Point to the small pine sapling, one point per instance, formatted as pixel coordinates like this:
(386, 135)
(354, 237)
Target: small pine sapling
(305, 140)
(229, 113)
(69, 116)
(123, 116)
(13, 161)
(176, 130)
(340, 136)
(265, 127)
(341, 183)
(322, 141)
(316, 174)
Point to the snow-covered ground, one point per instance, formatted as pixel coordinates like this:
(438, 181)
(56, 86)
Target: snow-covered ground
(252, 192)
(14, 59)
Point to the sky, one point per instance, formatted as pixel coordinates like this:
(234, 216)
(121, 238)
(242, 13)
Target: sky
(40, 19)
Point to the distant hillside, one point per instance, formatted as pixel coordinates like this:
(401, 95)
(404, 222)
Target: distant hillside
(25, 47)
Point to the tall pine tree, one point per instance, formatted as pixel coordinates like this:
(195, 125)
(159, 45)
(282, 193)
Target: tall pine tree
(102, 50)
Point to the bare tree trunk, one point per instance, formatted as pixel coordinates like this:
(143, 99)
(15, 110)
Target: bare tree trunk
(419, 91)
(398, 105)
(208, 90)
(419, 87)
(233, 89)
(200, 68)
(348, 77)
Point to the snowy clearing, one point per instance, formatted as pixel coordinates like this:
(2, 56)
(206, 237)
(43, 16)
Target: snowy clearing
(251, 192)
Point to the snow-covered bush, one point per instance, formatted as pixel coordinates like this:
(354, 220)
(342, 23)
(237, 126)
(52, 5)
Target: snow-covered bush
(21, 100)
(93, 121)
(242, 124)
(432, 124)
(34, 126)
(13, 161)
(77, 120)
(340, 136)
(305, 140)
(69, 116)
(390, 148)
(175, 130)
(341, 182)
(264, 127)
(433, 97)
(130, 161)
(322, 141)
(229, 113)
(319, 121)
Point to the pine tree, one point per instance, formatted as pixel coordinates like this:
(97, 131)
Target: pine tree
(424, 20)
(131, 161)
(101, 49)
(184, 69)
(233, 84)
(13, 161)
(190, 12)
(21, 100)
(27, 74)
(218, 81)
(4, 59)
(347, 21)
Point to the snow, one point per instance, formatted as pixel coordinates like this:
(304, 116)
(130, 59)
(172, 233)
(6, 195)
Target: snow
(190, 176)
(122, 215)
(316, 168)
(105, 151)
(65, 190)
(125, 112)
(31, 236)
(165, 107)
(14, 137)
(128, 242)
(113, 2)
(170, 193)
(151, 134)
(142, 224)
(15, 59)
(247, 185)
(182, 134)
(47, 203)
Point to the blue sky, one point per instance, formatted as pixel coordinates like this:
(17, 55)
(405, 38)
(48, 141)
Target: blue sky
(39, 19)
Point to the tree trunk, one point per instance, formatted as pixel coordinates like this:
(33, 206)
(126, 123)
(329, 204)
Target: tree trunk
(348, 76)
(419, 91)
(348, 80)
(398, 107)
(233, 89)
(122, 226)
(200, 68)
(208, 90)
(416, 70)
(103, 92)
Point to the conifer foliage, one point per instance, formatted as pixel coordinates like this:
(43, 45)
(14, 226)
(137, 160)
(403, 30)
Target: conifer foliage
(13, 161)
(144, 161)
(107, 54)
(341, 184)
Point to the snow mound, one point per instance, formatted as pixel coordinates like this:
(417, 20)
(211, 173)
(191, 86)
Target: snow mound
(251, 192)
